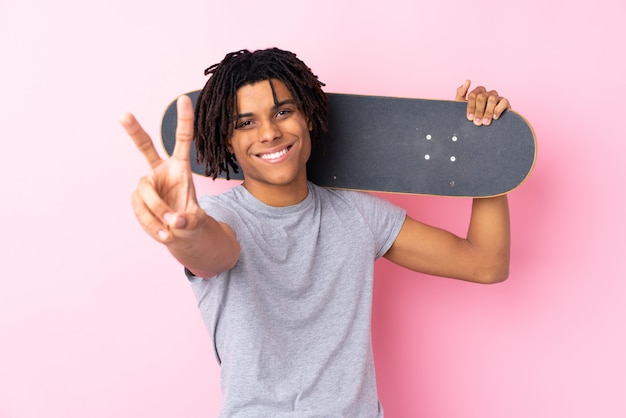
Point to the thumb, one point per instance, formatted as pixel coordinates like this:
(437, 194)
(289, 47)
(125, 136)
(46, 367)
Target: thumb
(175, 220)
(461, 92)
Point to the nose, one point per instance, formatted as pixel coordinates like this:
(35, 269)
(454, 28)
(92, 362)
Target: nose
(270, 131)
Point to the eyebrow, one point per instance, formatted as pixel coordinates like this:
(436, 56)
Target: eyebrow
(276, 106)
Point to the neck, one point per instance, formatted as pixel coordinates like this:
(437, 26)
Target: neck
(278, 195)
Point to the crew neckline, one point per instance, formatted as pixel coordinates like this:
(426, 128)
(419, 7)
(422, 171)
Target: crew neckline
(245, 194)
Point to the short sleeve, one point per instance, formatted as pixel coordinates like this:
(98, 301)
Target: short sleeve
(383, 218)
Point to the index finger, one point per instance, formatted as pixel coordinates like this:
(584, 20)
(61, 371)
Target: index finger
(184, 128)
(142, 140)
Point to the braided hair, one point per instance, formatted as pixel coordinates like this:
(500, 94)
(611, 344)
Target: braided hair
(217, 103)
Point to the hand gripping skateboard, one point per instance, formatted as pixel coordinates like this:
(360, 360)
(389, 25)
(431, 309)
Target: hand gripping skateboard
(415, 146)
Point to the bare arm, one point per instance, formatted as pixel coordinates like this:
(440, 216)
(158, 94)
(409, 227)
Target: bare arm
(483, 255)
(165, 202)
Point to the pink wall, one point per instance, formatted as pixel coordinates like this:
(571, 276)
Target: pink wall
(97, 321)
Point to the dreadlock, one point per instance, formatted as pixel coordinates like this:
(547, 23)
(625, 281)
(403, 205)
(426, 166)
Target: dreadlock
(217, 103)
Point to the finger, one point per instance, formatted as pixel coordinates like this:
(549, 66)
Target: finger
(461, 92)
(492, 101)
(476, 101)
(152, 212)
(184, 128)
(502, 105)
(150, 223)
(142, 140)
(156, 217)
(471, 102)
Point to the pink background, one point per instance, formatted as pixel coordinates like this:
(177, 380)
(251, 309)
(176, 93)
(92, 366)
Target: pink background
(97, 321)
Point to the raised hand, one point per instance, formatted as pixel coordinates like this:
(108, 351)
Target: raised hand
(482, 106)
(165, 200)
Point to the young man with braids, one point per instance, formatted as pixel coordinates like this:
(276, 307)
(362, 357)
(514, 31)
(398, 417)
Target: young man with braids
(283, 269)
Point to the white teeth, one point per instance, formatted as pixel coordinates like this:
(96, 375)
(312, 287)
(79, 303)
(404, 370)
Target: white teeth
(273, 155)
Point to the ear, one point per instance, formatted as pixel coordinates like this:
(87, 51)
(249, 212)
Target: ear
(310, 124)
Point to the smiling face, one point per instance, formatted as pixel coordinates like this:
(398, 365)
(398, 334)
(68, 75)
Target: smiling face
(271, 141)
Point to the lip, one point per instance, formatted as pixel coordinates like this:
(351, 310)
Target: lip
(274, 155)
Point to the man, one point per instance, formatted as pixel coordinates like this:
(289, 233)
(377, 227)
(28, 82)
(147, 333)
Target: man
(283, 269)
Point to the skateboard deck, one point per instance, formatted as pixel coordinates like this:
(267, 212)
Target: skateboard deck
(415, 146)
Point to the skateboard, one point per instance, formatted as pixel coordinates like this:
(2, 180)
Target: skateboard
(413, 146)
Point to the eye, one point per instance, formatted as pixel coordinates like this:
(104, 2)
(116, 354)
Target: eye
(243, 124)
(283, 113)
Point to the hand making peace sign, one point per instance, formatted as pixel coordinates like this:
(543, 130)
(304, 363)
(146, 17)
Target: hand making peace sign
(165, 200)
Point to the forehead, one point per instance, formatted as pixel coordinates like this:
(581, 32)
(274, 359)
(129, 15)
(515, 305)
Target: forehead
(262, 94)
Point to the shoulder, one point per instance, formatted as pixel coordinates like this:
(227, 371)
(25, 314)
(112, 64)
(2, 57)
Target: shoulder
(370, 208)
(224, 207)
(366, 213)
(357, 199)
(341, 194)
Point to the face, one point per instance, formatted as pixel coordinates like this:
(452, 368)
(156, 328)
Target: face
(271, 141)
